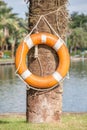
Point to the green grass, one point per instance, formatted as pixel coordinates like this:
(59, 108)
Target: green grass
(68, 122)
(7, 53)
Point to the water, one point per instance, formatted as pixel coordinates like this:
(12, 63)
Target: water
(75, 89)
(13, 90)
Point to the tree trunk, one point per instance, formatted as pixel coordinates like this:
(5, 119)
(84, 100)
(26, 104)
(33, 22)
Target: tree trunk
(45, 106)
(12, 49)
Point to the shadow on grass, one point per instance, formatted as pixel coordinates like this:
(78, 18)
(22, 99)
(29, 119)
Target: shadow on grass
(8, 122)
(4, 122)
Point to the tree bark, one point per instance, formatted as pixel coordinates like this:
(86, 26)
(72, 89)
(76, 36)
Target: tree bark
(45, 106)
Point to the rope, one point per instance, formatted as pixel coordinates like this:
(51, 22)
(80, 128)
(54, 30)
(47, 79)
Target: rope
(41, 69)
(35, 27)
(50, 26)
(57, 10)
(36, 52)
(51, 12)
(36, 56)
(23, 43)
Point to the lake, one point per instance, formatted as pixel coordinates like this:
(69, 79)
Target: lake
(13, 90)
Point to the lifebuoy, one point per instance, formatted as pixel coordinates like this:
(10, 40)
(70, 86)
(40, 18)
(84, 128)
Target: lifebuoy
(62, 52)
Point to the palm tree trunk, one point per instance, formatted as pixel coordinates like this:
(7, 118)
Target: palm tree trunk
(13, 48)
(45, 106)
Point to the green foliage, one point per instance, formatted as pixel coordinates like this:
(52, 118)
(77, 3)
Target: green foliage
(77, 40)
(78, 20)
(11, 31)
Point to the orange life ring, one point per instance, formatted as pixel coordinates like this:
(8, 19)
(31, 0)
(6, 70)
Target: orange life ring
(62, 52)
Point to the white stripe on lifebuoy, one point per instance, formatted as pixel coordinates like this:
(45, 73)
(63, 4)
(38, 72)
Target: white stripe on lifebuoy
(29, 42)
(58, 44)
(43, 38)
(57, 76)
(26, 74)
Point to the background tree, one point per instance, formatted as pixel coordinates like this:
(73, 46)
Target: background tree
(78, 27)
(10, 28)
(78, 20)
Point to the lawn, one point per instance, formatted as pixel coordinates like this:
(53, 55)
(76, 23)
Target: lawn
(68, 122)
